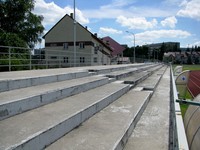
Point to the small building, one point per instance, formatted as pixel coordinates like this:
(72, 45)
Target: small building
(117, 50)
(59, 45)
(182, 57)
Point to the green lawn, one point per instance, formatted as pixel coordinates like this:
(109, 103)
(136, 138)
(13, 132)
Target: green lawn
(188, 95)
(191, 67)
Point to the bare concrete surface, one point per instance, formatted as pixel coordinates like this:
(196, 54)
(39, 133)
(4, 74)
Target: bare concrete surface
(49, 72)
(109, 128)
(152, 130)
(136, 78)
(30, 126)
(151, 82)
(14, 95)
(15, 75)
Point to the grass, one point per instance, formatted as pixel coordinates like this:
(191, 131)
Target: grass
(187, 95)
(191, 67)
(185, 106)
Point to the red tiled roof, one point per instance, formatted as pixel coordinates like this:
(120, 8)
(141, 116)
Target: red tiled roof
(115, 46)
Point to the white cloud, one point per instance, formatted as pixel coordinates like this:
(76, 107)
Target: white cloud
(196, 43)
(183, 3)
(191, 9)
(169, 22)
(132, 11)
(136, 22)
(172, 2)
(156, 35)
(118, 4)
(53, 13)
(104, 30)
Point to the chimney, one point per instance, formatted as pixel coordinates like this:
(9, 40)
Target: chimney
(72, 15)
(86, 27)
(95, 34)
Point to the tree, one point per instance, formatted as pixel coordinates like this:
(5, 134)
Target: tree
(16, 18)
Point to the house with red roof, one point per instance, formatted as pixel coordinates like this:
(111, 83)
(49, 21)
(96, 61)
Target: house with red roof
(117, 49)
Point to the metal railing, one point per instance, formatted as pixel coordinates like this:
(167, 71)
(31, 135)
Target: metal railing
(19, 58)
(178, 139)
(15, 58)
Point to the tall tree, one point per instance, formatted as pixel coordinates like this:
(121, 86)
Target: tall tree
(16, 17)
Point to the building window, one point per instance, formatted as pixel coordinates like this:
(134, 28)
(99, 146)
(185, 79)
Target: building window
(95, 59)
(53, 57)
(96, 50)
(82, 59)
(81, 45)
(65, 45)
(66, 59)
(53, 44)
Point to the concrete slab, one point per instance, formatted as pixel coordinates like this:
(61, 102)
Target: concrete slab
(152, 130)
(112, 68)
(22, 79)
(20, 100)
(110, 128)
(151, 82)
(39, 127)
(136, 78)
(128, 72)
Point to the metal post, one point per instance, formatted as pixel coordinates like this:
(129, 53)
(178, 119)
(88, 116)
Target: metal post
(74, 34)
(46, 58)
(134, 49)
(9, 58)
(134, 45)
(30, 61)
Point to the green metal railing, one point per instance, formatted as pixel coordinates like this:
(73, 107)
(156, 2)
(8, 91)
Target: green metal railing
(188, 102)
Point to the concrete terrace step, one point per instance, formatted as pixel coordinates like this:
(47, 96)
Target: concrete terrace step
(22, 79)
(157, 67)
(37, 128)
(112, 68)
(137, 78)
(110, 128)
(152, 130)
(152, 81)
(20, 100)
(128, 72)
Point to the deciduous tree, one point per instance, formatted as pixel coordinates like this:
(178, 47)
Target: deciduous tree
(16, 17)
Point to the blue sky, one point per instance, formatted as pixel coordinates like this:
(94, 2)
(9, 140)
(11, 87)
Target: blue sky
(152, 21)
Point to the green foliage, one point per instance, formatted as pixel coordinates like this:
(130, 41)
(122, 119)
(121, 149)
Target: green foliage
(19, 27)
(140, 51)
(18, 59)
(16, 17)
(8, 39)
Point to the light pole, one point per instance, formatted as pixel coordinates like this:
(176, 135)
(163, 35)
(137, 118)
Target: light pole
(134, 45)
(74, 33)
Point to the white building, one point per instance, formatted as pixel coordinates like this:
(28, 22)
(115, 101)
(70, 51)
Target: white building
(59, 45)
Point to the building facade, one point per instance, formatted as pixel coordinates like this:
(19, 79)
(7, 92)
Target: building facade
(59, 45)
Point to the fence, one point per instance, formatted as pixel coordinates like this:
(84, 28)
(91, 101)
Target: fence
(15, 58)
(177, 140)
(18, 58)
